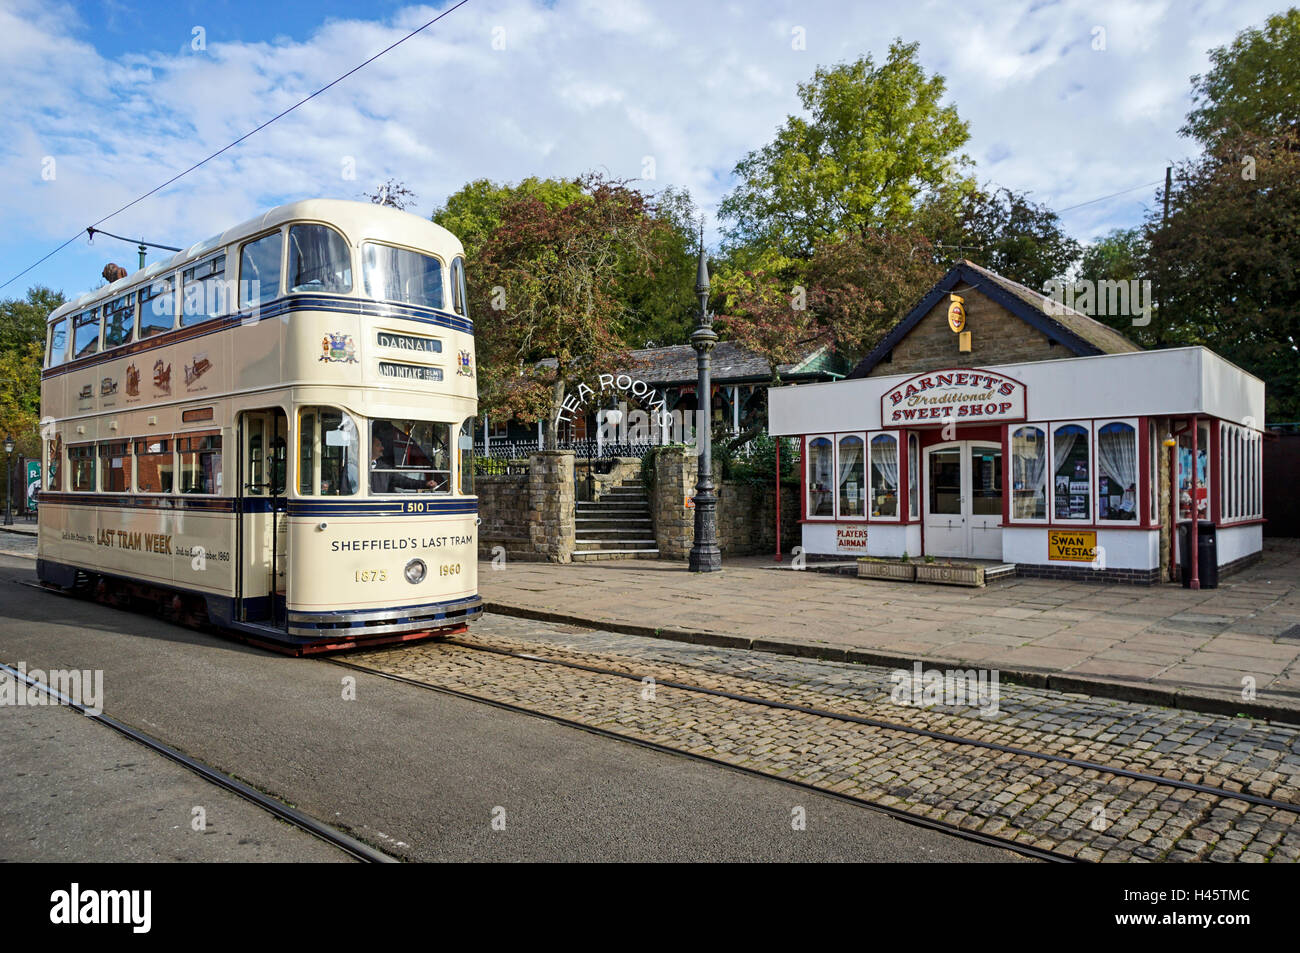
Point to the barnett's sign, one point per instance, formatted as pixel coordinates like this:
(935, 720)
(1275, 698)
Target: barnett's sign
(968, 395)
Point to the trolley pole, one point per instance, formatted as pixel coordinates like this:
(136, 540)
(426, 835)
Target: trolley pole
(705, 555)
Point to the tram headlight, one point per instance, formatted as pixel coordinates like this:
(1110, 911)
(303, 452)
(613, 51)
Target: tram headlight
(415, 571)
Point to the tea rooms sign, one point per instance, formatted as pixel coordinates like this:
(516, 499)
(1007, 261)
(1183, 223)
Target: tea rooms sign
(966, 395)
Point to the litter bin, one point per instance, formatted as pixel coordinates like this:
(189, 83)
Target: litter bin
(1207, 559)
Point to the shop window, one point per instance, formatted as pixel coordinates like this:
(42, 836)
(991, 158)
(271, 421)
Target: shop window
(1202, 473)
(1029, 474)
(200, 461)
(1071, 485)
(1238, 473)
(821, 481)
(116, 463)
(913, 476)
(1153, 464)
(329, 452)
(1117, 472)
(81, 464)
(884, 476)
(850, 477)
(986, 481)
(153, 466)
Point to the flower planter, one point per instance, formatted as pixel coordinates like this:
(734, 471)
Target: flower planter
(950, 575)
(899, 572)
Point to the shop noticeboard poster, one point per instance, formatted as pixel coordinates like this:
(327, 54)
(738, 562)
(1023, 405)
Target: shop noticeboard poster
(1071, 546)
(851, 539)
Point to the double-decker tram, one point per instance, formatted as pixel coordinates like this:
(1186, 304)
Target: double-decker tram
(264, 432)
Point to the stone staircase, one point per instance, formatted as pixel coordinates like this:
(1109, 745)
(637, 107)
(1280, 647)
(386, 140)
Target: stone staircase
(617, 526)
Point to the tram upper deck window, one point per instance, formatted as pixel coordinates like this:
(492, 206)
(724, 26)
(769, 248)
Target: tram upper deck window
(153, 466)
(319, 260)
(81, 464)
(119, 321)
(200, 460)
(396, 274)
(259, 271)
(157, 308)
(116, 465)
(204, 292)
(410, 456)
(329, 452)
(57, 352)
(85, 334)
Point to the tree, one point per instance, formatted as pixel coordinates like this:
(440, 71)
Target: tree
(660, 301)
(547, 313)
(393, 194)
(1231, 265)
(1008, 233)
(875, 147)
(1253, 86)
(22, 320)
(474, 212)
(1122, 254)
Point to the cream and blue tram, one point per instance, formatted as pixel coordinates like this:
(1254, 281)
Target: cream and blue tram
(267, 432)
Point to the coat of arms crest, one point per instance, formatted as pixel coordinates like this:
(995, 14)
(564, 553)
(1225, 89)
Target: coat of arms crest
(338, 349)
(465, 364)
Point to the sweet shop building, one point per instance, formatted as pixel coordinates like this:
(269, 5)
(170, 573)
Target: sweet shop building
(994, 423)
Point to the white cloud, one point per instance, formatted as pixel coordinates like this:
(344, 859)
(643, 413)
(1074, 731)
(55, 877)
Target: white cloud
(579, 85)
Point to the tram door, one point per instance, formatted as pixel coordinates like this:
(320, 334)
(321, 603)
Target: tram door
(263, 523)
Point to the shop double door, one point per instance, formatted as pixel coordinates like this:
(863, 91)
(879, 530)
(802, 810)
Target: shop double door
(963, 500)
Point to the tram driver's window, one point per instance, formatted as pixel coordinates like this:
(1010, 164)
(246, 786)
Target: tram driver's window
(259, 271)
(319, 260)
(410, 456)
(81, 464)
(329, 452)
(200, 459)
(153, 466)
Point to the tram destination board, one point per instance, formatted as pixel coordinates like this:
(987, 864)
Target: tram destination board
(409, 372)
(408, 342)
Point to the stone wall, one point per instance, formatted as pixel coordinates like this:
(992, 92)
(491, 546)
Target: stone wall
(676, 470)
(746, 512)
(593, 485)
(503, 515)
(550, 505)
(997, 337)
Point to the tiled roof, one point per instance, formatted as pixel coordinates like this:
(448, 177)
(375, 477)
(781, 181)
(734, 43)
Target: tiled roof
(676, 364)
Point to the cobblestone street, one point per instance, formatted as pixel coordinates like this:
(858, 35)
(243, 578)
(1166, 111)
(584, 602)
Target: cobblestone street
(1163, 644)
(1084, 813)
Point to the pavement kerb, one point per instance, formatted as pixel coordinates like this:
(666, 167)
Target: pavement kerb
(1031, 678)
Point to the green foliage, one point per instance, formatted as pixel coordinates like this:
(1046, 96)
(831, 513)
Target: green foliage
(875, 147)
(760, 466)
(475, 212)
(22, 351)
(1253, 86)
(1006, 232)
(1120, 255)
(22, 320)
(660, 301)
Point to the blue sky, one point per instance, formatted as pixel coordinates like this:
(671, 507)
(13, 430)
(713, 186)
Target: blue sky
(106, 100)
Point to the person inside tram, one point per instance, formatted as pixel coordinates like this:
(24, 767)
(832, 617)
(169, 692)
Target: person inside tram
(382, 477)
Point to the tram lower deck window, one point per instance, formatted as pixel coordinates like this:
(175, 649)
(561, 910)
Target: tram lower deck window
(116, 465)
(154, 466)
(329, 452)
(410, 456)
(81, 464)
(200, 459)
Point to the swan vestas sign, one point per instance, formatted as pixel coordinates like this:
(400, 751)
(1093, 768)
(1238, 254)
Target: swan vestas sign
(965, 394)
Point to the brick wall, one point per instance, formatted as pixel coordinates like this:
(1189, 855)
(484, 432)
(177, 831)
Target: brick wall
(997, 337)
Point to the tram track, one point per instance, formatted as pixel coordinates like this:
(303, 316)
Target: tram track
(349, 845)
(1031, 768)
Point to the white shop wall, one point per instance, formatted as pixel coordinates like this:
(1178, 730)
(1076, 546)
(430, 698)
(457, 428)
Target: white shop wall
(1175, 381)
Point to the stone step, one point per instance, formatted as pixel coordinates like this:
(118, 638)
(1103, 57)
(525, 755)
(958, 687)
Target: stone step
(635, 527)
(608, 503)
(604, 512)
(592, 555)
(588, 545)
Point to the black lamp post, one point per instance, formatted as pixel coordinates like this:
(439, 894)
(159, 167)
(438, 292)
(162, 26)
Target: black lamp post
(705, 555)
(9, 481)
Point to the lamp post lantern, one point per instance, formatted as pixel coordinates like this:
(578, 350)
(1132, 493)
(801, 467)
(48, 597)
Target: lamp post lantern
(9, 481)
(705, 555)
